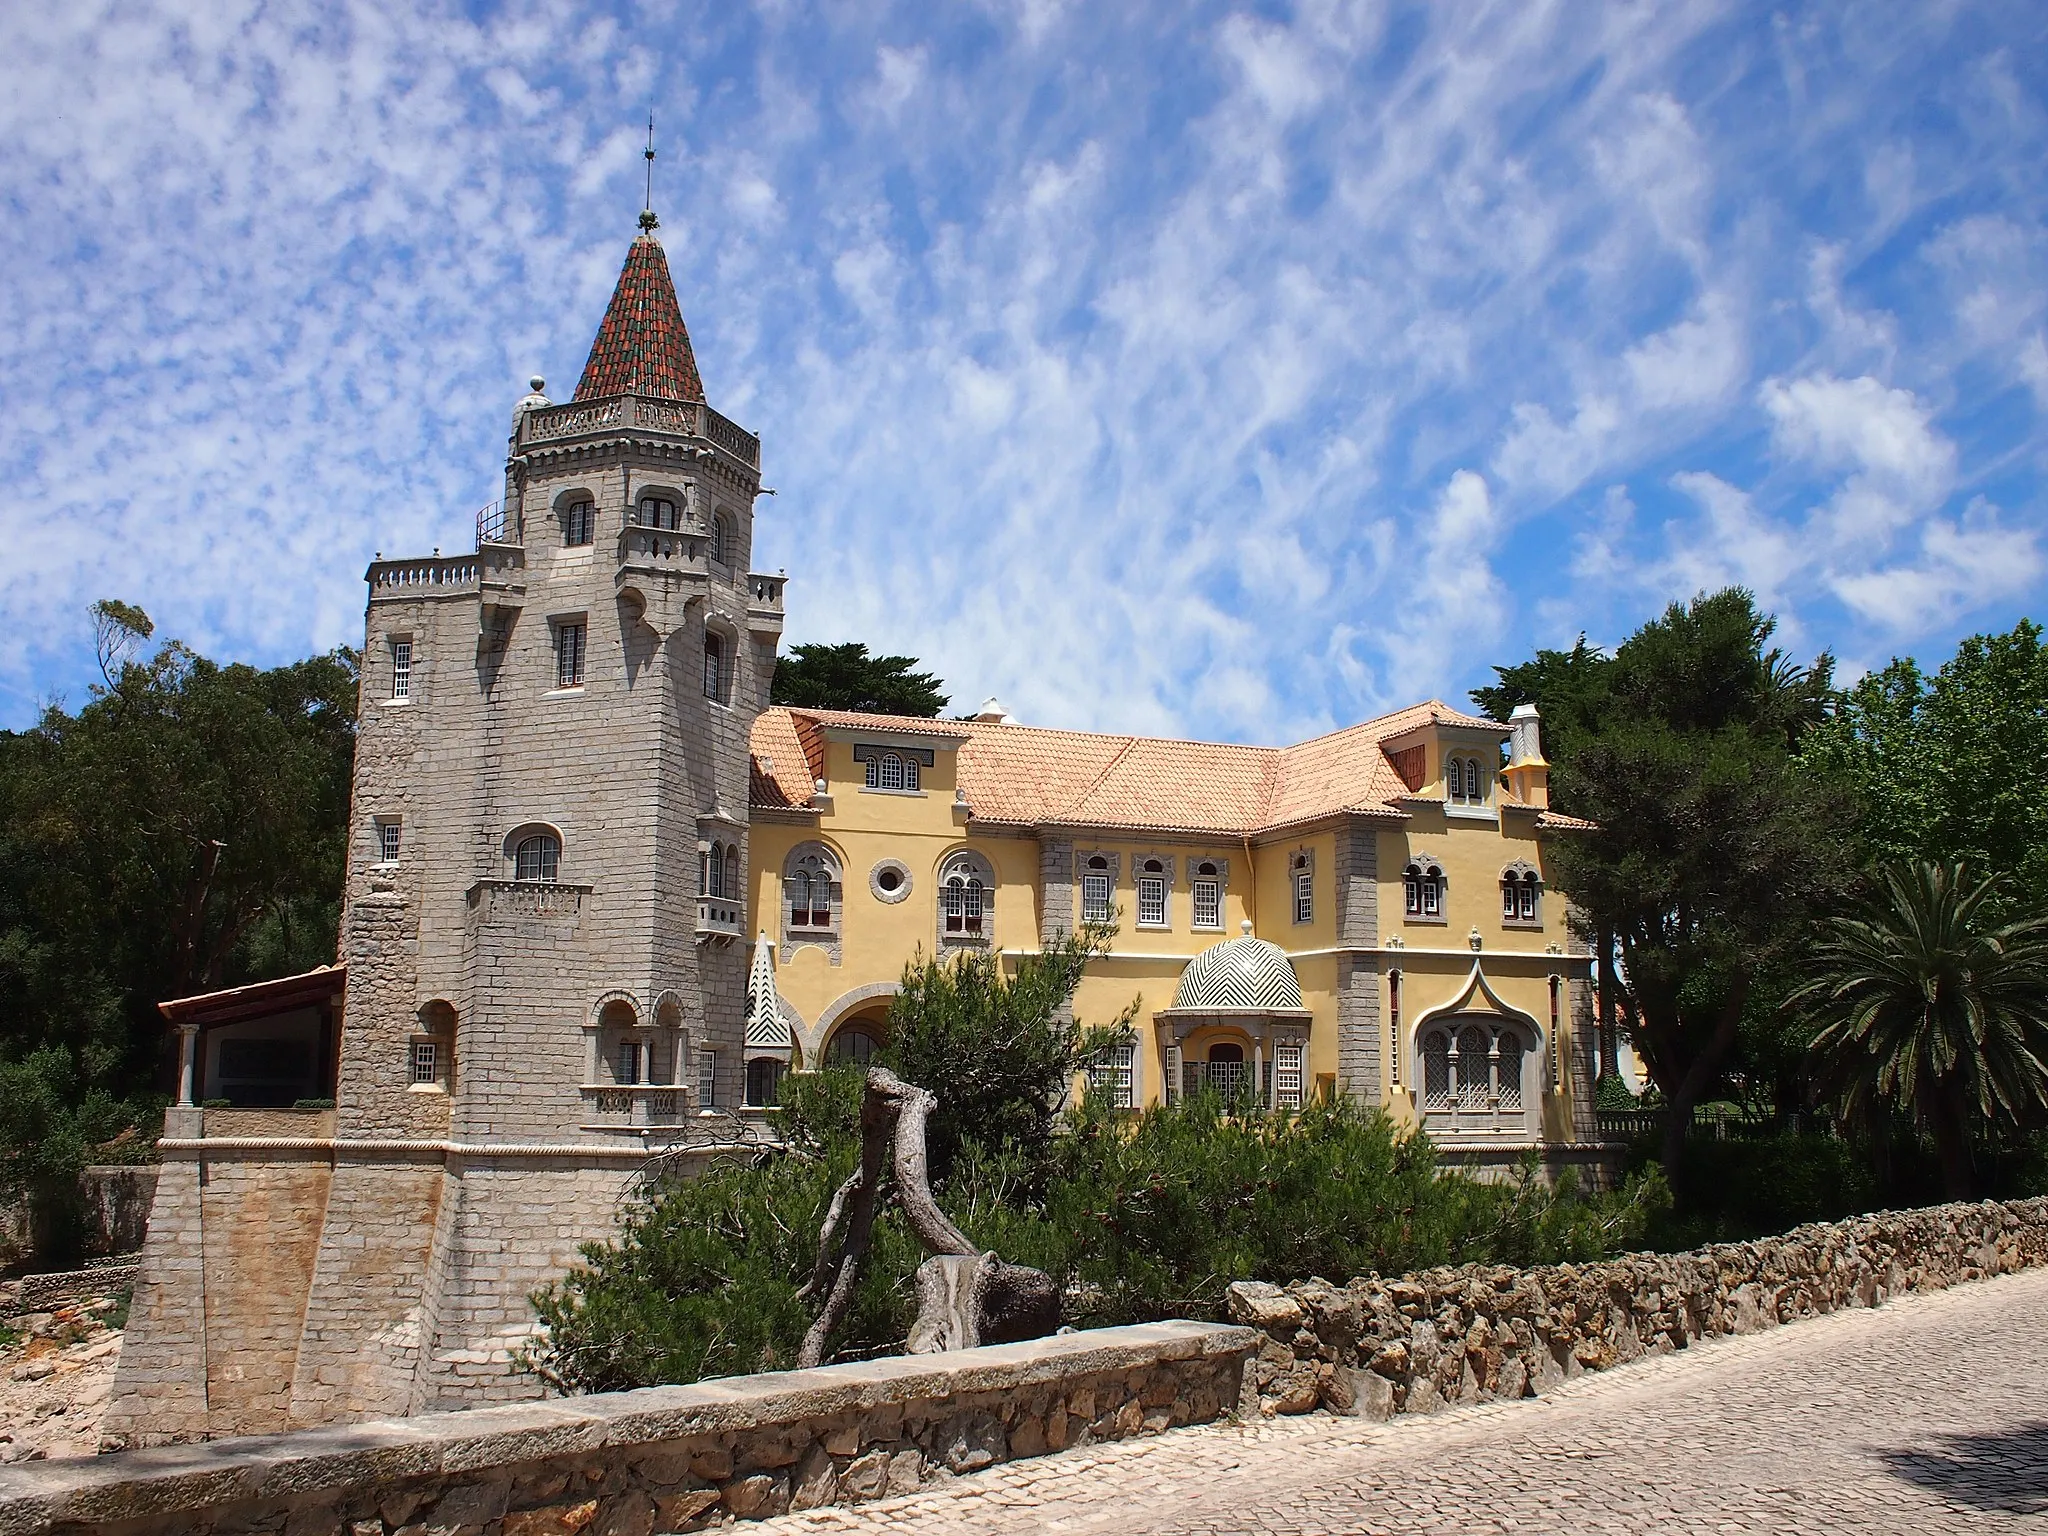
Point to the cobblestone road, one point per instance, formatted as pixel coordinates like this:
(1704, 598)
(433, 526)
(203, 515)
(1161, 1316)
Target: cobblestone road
(1928, 1415)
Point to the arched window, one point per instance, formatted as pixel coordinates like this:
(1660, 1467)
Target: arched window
(1152, 894)
(1518, 891)
(579, 522)
(721, 539)
(1475, 1069)
(1508, 1048)
(1422, 889)
(1304, 888)
(912, 776)
(731, 891)
(764, 1081)
(1436, 1070)
(808, 884)
(892, 771)
(658, 512)
(537, 857)
(712, 871)
(1466, 782)
(1095, 884)
(714, 666)
(966, 898)
(852, 1045)
(1207, 890)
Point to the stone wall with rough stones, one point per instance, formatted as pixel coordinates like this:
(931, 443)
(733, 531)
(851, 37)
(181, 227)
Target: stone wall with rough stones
(664, 1459)
(1378, 1347)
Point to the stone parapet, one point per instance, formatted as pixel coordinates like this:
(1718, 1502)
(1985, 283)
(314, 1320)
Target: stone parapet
(1378, 1347)
(666, 1458)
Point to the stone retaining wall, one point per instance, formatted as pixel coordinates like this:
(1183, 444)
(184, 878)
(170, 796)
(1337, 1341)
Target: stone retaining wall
(1377, 1347)
(659, 1460)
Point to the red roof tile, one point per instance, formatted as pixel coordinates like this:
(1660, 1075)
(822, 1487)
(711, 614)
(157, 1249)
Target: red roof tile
(1022, 775)
(642, 346)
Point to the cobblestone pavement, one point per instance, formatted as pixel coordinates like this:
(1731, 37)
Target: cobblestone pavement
(1928, 1415)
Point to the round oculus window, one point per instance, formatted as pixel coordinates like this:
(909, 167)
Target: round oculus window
(890, 881)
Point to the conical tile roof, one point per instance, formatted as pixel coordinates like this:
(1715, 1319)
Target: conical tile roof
(642, 346)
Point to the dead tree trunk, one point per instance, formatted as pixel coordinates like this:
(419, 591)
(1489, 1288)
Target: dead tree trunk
(964, 1297)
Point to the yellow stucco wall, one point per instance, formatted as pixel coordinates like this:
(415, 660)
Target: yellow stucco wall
(920, 830)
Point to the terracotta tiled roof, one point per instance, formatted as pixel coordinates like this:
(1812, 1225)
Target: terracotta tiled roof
(1020, 774)
(642, 347)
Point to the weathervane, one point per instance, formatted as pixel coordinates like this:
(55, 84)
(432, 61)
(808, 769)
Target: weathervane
(647, 219)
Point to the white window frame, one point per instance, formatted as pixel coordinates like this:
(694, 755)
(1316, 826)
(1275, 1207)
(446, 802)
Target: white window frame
(1288, 1073)
(1114, 1071)
(1098, 888)
(1151, 901)
(547, 858)
(1422, 891)
(1208, 899)
(1302, 881)
(390, 838)
(401, 667)
(707, 1077)
(572, 640)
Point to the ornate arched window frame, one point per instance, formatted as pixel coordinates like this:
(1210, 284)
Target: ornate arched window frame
(813, 891)
(1424, 890)
(1472, 1059)
(1521, 896)
(967, 898)
(533, 852)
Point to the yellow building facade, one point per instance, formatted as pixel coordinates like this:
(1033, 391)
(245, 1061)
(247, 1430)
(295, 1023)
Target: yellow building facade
(1364, 913)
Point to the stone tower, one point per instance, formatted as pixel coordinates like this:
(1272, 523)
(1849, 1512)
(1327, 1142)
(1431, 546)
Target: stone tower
(545, 980)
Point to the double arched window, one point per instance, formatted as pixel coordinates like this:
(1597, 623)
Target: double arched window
(1520, 887)
(1467, 781)
(966, 898)
(718, 871)
(811, 889)
(893, 770)
(537, 856)
(1422, 889)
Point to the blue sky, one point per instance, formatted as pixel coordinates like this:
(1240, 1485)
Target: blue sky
(1235, 372)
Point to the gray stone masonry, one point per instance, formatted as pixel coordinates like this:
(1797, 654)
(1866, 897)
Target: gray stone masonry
(666, 1458)
(1379, 1347)
(1356, 880)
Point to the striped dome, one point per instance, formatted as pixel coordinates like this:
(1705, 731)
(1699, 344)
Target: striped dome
(1246, 974)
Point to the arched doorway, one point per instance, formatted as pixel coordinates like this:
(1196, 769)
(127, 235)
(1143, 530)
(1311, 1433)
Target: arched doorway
(856, 1041)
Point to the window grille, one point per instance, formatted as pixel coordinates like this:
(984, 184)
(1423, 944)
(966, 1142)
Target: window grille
(1095, 897)
(707, 1078)
(1113, 1073)
(1208, 904)
(426, 1061)
(537, 858)
(388, 833)
(1152, 900)
(1287, 1074)
(579, 520)
(714, 667)
(1508, 1051)
(1436, 1071)
(568, 655)
(401, 669)
(1474, 1068)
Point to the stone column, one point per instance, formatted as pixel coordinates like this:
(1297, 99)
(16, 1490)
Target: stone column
(188, 1065)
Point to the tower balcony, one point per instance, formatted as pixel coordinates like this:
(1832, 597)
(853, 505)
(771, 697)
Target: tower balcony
(577, 420)
(764, 604)
(719, 918)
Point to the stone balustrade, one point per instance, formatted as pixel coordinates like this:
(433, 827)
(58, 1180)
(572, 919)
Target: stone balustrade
(662, 1459)
(1378, 1346)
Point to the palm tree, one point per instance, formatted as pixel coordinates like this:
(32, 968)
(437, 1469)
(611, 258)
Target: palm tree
(1926, 1002)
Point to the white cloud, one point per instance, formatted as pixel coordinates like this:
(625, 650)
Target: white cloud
(1901, 466)
(1961, 564)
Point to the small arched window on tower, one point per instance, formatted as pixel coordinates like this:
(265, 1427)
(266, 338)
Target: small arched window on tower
(1422, 886)
(721, 538)
(711, 871)
(537, 857)
(658, 512)
(714, 666)
(579, 522)
(731, 891)
(1519, 886)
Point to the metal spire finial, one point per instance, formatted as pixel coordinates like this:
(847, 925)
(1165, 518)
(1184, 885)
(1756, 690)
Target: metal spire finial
(648, 221)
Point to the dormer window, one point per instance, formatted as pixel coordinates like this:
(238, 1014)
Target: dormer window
(1095, 889)
(658, 512)
(1152, 894)
(893, 770)
(1422, 886)
(579, 523)
(1519, 888)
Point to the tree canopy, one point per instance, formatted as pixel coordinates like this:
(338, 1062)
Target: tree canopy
(846, 677)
